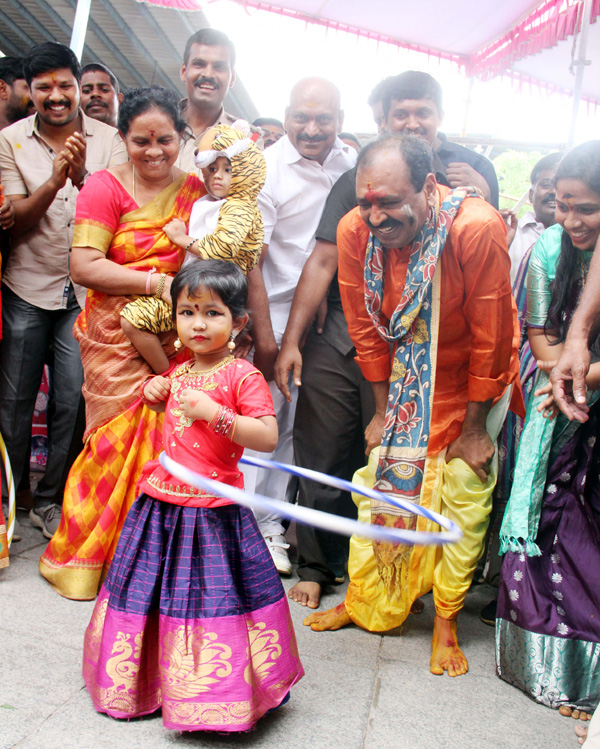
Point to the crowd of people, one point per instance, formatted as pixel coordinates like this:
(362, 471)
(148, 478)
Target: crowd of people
(201, 285)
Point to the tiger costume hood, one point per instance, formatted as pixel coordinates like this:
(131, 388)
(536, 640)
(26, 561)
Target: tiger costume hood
(240, 232)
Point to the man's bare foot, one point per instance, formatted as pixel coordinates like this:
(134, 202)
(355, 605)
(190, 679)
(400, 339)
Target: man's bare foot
(328, 620)
(306, 594)
(445, 653)
(582, 732)
(570, 712)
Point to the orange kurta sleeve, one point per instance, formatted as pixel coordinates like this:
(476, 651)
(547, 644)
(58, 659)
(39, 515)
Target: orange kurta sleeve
(372, 352)
(489, 306)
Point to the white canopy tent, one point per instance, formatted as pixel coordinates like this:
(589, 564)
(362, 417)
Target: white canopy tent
(554, 44)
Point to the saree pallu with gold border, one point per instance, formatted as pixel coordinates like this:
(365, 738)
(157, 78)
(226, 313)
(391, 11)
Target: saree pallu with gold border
(122, 435)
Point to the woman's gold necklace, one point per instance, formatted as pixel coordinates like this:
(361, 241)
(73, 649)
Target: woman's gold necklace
(584, 269)
(133, 182)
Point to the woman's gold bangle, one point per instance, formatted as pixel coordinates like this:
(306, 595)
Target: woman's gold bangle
(161, 285)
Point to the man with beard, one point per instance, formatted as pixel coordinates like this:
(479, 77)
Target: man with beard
(425, 285)
(208, 71)
(15, 102)
(100, 97)
(44, 162)
(301, 170)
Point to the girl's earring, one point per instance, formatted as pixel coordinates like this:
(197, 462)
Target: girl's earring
(231, 342)
(178, 344)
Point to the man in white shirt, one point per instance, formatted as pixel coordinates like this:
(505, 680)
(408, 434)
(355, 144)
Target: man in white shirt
(302, 167)
(542, 197)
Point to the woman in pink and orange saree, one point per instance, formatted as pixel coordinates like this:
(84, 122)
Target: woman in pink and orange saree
(119, 251)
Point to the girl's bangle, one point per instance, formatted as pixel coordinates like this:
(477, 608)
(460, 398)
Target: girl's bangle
(161, 285)
(187, 247)
(148, 278)
(142, 386)
(223, 422)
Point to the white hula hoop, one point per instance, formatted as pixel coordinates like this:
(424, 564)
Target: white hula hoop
(323, 520)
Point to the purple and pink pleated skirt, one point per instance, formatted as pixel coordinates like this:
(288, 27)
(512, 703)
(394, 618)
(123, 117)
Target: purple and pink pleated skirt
(192, 619)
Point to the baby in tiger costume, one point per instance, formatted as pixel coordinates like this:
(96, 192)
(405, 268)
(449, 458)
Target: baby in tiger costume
(225, 224)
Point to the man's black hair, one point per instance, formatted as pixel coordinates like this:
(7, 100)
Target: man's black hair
(378, 92)
(349, 136)
(262, 121)
(211, 38)
(11, 70)
(98, 67)
(43, 58)
(413, 84)
(417, 155)
(543, 165)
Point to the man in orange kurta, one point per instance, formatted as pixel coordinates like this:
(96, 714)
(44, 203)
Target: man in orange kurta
(475, 355)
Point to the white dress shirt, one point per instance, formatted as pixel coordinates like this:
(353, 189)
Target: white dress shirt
(291, 203)
(528, 232)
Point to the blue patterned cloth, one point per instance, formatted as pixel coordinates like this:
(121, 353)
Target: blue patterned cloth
(412, 330)
(406, 431)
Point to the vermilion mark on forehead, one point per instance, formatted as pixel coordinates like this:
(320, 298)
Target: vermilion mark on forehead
(152, 132)
(197, 307)
(373, 195)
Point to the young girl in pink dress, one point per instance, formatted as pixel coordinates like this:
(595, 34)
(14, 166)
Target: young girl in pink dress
(192, 616)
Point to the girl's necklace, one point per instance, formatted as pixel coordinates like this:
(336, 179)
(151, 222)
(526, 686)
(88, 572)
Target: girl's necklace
(133, 182)
(202, 372)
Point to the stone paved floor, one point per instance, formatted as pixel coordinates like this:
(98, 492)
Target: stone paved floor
(360, 690)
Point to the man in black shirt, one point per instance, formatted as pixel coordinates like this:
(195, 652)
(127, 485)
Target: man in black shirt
(412, 105)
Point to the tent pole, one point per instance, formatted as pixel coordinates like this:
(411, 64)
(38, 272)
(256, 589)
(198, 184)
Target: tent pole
(467, 108)
(82, 13)
(580, 64)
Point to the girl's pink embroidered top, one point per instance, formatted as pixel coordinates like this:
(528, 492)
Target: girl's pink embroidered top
(234, 383)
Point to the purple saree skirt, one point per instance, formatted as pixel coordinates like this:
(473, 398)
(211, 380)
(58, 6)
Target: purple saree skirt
(193, 619)
(548, 625)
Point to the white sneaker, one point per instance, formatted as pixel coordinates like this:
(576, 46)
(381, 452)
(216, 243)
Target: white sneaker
(278, 546)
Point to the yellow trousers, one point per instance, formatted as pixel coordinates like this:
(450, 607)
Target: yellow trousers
(451, 489)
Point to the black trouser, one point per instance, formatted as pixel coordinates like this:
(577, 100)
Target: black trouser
(28, 331)
(335, 404)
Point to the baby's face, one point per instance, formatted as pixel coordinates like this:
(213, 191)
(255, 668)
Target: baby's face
(217, 177)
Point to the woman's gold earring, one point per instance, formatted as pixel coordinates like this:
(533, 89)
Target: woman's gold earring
(178, 344)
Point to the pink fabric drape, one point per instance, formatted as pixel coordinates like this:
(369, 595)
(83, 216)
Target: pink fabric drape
(540, 30)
